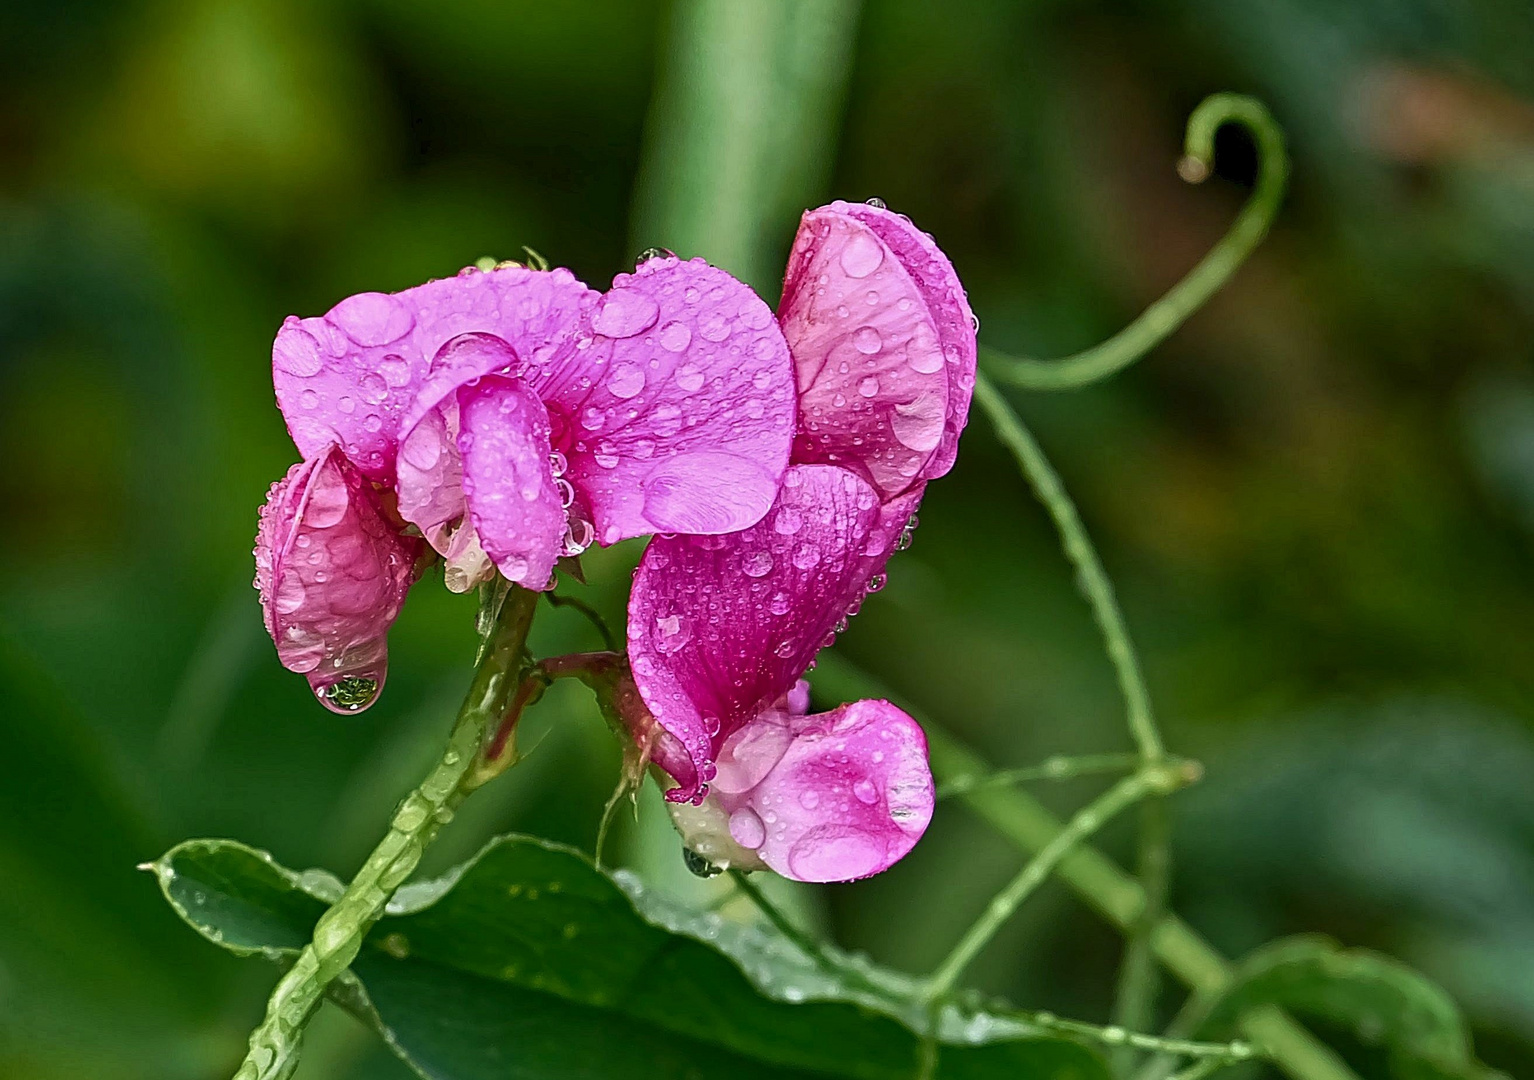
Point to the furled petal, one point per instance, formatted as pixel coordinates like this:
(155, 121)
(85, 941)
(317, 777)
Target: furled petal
(332, 574)
(842, 795)
(721, 627)
(348, 377)
(429, 467)
(883, 344)
(507, 480)
(679, 417)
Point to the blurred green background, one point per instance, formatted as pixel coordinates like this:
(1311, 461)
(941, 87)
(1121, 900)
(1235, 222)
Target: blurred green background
(1317, 499)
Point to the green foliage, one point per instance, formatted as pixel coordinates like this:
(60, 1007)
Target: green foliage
(529, 957)
(1380, 1001)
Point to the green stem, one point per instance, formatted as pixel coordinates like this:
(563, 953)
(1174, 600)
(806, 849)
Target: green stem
(1090, 575)
(1206, 1068)
(1119, 1036)
(742, 127)
(274, 1045)
(1137, 982)
(1158, 321)
(1111, 892)
(1058, 767)
(1088, 820)
(591, 614)
(1139, 977)
(807, 944)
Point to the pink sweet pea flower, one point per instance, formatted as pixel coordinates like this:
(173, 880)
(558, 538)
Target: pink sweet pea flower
(722, 628)
(513, 416)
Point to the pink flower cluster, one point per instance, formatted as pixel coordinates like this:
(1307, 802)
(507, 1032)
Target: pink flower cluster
(502, 419)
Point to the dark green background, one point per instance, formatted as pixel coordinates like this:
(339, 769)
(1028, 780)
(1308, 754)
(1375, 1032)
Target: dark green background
(1317, 499)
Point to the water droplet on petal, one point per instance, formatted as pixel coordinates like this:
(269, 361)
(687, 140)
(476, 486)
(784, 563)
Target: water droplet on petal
(862, 255)
(747, 828)
(757, 564)
(867, 340)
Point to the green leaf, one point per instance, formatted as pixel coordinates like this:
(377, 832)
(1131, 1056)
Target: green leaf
(1380, 1000)
(530, 958)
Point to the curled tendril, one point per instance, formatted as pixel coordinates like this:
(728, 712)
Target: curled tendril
(1158, 321)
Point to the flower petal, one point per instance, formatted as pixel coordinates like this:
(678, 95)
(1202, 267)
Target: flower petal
(332, 574)
(849, 797)
(883, 344)
(680, 415)
(508, 483)
(722, 627)
(348, 377)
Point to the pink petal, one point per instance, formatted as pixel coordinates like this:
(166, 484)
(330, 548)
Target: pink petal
(429, 469)
(849, 797)
(883, 344)
(332, 574)
(721, 627)
(349, 376)
(508, 483)
(679, 416)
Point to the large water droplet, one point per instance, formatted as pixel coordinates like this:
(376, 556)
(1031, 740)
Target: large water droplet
(867, 340)
(624, 313)
(865, 791)
(675, 336)
(747, 828)
(862, 255)
(351, 693)
(626, 380)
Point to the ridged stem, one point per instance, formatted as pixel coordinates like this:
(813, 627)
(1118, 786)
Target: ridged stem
(275, 1044)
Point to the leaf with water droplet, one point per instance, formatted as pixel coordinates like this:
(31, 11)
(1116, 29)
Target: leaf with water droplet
(643, 985)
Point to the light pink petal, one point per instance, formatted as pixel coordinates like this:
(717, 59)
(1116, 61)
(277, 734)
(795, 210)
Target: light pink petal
(722, 627)
(679, 415)
(428, 468)
(332, 573)
(849, 797)
(508, 483)
(883, 344)
(349, 376)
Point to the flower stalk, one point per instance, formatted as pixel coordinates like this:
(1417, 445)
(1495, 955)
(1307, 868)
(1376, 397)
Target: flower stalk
(275, 1043)
(1152, 779)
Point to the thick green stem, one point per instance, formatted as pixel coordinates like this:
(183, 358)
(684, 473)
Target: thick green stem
(1058, 767)
(1139, 978)
(1158, 321)
(1097, 813)
(742, 128)
(274, 1045)
(1111, 892)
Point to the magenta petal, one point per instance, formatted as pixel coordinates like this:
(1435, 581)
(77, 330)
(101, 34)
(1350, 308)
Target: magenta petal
(722, 627)
(508, 482)
(850, 796)
(883, 344)
(332, 574)
(680, 416)
(349, 376)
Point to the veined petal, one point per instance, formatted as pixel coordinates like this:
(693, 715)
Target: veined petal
(836, 797)
(349, 376)
(850, 796)
(679, 416)
(332, 574)
(508, 483)
(722, 627)
(883, 344)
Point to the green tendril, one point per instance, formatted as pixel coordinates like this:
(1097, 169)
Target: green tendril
(1157, 322)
